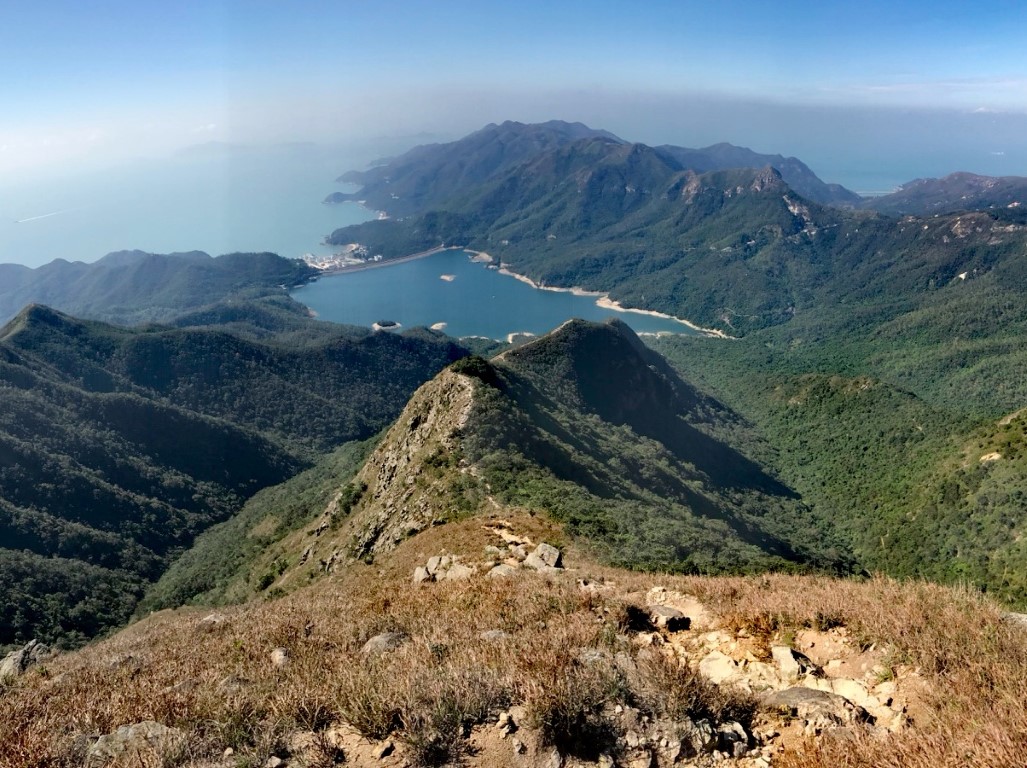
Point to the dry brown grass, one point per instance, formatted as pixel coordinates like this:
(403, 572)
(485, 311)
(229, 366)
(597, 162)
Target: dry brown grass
(559, 660)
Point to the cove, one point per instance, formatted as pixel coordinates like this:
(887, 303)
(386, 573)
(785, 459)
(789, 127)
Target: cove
(449, 291)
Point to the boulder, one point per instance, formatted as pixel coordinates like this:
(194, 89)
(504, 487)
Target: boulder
(550, 555)
(383, 643)
(670, 619)
(422, 575)
(718, 668)
(813, 705)
(135, 743)
(502, 571)
(16, 663)
(732, 739)
(458, 572)
(211, 622)
(792, 664)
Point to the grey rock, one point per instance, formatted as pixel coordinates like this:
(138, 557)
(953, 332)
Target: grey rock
(212, 622)
(279, 657)
(792, 664)
(459, 572)
(16, 663)
(383, 643)
(810, 704)
(519, 552)
(136, 742)
(384, 749)
(550, 555)
(732, 739)
(434, 565)
(502, 571)
(701, 737)
(670, 619)
(422, 575)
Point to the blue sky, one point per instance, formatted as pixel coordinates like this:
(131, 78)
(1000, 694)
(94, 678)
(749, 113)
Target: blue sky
(107, 80)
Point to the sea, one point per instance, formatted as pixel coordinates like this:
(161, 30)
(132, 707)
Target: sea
(214, 198)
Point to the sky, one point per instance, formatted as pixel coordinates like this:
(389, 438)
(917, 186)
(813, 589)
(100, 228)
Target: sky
(864, 92)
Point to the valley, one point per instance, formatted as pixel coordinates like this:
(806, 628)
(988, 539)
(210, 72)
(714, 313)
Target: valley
(276, 538)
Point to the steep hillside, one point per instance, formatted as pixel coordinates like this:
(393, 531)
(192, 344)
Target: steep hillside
(428, 175)
(117, 447)
(795, 173)
(955, 192)
(133, 287)
(585, 426)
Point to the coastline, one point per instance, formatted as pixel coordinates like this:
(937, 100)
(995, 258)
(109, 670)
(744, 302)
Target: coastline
(602, 298)
(604, 301)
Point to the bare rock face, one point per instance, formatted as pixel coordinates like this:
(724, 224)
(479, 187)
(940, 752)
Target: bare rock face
(404, 495)
(16, 663)
(139, 742)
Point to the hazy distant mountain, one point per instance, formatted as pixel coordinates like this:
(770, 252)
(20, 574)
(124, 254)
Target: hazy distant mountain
(955, 192)
(134, 286)
(796, 173)
(429, 176)
(430, 173)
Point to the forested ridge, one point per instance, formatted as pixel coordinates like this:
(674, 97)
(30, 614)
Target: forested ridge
(120, 445)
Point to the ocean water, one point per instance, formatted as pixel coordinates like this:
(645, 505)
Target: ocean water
(216, 199)
(460, 296)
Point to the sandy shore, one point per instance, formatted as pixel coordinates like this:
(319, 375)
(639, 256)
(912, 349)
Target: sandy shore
(604, 301)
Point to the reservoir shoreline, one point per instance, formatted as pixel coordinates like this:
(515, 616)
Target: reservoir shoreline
(600, 299)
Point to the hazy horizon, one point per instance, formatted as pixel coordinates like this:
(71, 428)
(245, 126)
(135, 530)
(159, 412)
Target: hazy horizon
(869, 96)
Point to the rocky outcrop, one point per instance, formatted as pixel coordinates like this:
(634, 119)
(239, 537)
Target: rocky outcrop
(407, 478)
(16, 663)
(137, 744)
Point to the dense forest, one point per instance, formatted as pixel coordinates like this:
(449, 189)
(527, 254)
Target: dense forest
(119, 446)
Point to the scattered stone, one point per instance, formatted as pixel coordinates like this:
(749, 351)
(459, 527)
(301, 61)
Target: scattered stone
(274, 762)
(718, 668)
(16, 663)
(519, 552)
(306, 554)
(212, 622)
(134, 743)
(552, 759)
(502, 571)
(518, 747)
(383, 643)
(670, 619)
(606, 761)
(384, 749)
(1017, 619)
(422, 575)
(702, 738)
(434, 565)
(732, 739)
(459, 572)
(792, 664)
(279, 657)
(494, 551)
